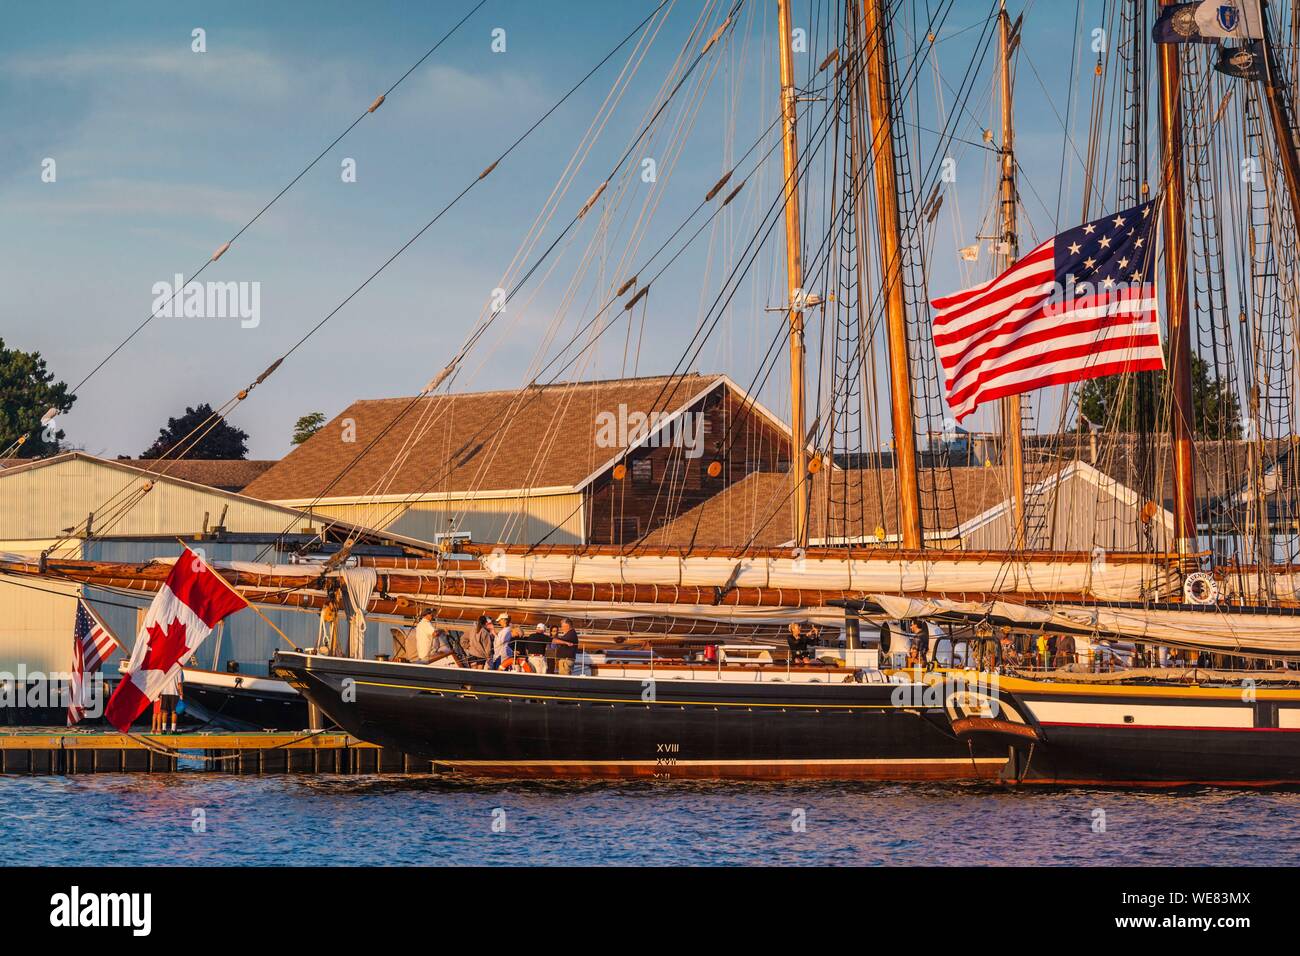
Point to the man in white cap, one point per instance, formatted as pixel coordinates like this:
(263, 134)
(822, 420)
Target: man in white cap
(505, 637)
(536, 645)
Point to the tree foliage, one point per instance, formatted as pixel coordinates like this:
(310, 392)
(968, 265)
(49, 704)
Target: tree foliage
(27, 391)
(219, 439)
(307, 426)
(1128, 403)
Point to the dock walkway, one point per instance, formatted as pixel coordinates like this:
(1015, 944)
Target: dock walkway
(55, 751)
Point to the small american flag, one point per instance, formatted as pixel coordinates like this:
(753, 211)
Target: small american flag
(92, 642)
(1081, 305)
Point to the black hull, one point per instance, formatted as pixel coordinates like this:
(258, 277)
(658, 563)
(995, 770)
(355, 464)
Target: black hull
(1165, 758)
(1157, 737)
(236, 709)
(512, 724)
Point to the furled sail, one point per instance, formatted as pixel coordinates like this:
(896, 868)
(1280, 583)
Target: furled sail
(1221, 629)
(968, 574)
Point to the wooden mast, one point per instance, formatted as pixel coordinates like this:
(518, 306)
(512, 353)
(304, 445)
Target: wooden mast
(794, 276)
(861, 213)
(1176, 301)
(874, 51)
(1009, 252)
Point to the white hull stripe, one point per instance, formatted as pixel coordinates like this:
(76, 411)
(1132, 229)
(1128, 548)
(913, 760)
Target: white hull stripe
(1154, 715)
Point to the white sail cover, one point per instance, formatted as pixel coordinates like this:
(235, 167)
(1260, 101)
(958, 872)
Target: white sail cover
(1216, 630)
(1107, 581)
(1221, 630)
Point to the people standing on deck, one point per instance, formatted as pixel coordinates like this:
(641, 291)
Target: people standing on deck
(1008, 651)
(564, 647)
(920, 641)
(502, 645)
(552, 633)
(535, 647)
(1042, 651)
(425, 634)
(798, 641)
(478, 646)
(1065, 650)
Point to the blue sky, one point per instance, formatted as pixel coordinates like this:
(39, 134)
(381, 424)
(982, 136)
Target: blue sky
(162, 153)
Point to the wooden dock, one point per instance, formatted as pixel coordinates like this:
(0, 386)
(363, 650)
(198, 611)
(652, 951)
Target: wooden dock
(45, 751)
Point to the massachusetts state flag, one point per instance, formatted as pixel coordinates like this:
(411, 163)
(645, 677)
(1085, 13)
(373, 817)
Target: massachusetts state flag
(1207, 21)
(183, 614)
(92, 642)
(1082, 305)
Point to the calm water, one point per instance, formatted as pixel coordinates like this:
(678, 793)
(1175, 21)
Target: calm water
(139, 819)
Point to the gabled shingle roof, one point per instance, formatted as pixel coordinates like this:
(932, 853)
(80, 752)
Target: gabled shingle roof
(224, 474)
(539, 437)
(858, 500)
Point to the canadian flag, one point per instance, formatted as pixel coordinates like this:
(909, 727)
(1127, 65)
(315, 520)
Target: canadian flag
(184, 612)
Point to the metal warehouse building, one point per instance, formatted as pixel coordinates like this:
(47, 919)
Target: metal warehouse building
(135, 513)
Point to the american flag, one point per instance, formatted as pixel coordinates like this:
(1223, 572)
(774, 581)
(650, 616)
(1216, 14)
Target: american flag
(92, 642)
(1079, 306)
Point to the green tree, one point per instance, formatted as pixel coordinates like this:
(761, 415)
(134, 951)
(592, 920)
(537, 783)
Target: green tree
(1113, 401)
(219, 439)
(307, 426)
(27, 391)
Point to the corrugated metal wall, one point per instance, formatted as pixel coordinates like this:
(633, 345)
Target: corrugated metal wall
(555, 518)
(245, 637)
(36, 619)
(40, 502)
(36, 504)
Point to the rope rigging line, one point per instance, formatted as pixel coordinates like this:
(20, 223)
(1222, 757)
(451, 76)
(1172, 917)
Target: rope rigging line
(761, 373)
(276, 198)
(274, 366)
(911, 80)
(404, 505)
(429, 415)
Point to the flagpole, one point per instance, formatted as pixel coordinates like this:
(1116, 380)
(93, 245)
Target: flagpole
(253, 607)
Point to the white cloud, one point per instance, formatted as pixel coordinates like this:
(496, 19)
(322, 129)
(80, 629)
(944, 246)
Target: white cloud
(439, 89)
(140, 198)
(234, 71)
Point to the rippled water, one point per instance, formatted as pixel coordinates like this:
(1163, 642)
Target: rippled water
(141, 819)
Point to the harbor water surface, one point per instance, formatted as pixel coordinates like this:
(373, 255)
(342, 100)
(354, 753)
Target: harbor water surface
(211, 819)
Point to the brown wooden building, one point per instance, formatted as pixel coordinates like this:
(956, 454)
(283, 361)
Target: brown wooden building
(574, 463)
